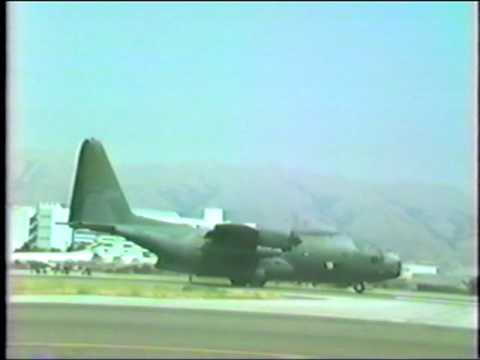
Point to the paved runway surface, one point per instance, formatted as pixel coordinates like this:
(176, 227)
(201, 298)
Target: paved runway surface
(72, 330)
(451, 310)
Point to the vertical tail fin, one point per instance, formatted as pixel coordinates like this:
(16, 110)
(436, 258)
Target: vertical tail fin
(96, 195)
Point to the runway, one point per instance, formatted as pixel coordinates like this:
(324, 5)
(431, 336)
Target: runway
(450, 310)
(42, 330)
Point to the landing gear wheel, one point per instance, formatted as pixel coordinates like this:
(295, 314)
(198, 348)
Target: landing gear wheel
(239, 283)
(359, 288)
(258, 284)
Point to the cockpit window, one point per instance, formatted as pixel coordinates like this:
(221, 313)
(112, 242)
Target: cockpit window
(375, 259)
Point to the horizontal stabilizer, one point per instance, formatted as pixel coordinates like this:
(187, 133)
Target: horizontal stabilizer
(95, 227)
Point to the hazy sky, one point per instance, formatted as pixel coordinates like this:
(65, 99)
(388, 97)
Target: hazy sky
(379, 92)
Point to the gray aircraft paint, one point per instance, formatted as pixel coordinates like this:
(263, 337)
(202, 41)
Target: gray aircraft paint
(238, 252)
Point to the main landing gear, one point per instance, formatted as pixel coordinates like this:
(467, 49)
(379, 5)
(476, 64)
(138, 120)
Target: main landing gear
(359, 288)
(237, 282)
(243, 283)
(259, 283)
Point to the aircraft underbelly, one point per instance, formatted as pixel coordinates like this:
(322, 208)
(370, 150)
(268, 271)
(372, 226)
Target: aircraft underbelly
(218, 262)
(334, 277)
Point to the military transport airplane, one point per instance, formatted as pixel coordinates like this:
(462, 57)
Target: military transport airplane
(243, 254)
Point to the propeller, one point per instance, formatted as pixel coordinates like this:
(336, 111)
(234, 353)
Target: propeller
(294, 239)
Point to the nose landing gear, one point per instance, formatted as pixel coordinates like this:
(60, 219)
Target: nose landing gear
(359, 288)
(258, 283)
(238, 282)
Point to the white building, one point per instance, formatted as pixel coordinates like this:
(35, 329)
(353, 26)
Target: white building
(115, 248)
(84, 237)
(410, 269)
(211, 217)
(45, 233)
(18, 226)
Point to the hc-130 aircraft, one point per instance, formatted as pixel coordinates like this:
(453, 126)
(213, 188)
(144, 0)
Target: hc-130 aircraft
(238, 252)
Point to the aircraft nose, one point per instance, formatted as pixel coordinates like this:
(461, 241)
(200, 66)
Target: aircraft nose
(395, 263)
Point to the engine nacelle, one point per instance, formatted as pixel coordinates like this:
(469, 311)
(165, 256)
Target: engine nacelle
(274, 268)
(234, 235)
(276, 239)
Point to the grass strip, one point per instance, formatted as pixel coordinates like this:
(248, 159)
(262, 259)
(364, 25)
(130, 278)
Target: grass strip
(75, 286)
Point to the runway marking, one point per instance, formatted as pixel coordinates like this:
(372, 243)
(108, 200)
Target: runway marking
(151, 347)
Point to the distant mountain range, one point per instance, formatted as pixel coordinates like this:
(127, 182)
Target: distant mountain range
(420, 222)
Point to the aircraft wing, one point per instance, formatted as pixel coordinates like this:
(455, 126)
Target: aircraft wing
(241, 236)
